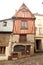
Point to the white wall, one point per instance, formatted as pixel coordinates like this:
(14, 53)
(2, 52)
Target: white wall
(39, 23)
(7, 28)
(3, 58)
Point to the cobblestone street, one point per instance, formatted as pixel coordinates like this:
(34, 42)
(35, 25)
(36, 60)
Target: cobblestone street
(29, 60)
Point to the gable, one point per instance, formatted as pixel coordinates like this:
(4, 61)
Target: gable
(24, 12)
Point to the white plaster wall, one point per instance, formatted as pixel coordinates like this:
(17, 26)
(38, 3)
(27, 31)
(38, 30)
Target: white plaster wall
(7, 28)
(9, 47)
(8, 50)
(39, 23)
(3, 57)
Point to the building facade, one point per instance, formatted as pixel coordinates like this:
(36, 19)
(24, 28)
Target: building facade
(23, 32)
(6, 28)
(39, 32)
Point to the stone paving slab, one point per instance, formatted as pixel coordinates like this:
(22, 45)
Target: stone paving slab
(33, 60)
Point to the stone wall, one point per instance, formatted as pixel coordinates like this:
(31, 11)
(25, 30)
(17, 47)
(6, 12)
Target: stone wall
(15, 38)
(30, 37)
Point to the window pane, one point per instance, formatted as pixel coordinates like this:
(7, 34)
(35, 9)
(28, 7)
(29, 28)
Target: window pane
(4, 23)
(24, 24)
(19, 48)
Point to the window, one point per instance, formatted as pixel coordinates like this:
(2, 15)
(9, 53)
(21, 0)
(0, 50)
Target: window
(35, 28)
(22, 38)
(4, 23)
(24, 24)
(40, 30)
(19, 48)
(2, 50)
(39, 22)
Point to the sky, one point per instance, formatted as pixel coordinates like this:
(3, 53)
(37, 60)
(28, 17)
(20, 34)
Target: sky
(9, 7)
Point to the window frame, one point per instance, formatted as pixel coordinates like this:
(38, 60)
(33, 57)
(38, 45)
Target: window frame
(4, 23)
(24, 39)
(2, 50)
(19, 48)
(25, 24)
(40, 31)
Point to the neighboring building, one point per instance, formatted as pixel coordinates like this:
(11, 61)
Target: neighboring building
(6, 29)
(23, 32)
(39, 32)
(6, 25)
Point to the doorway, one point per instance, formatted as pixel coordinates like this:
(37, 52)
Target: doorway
(27, 49)
(38, 44)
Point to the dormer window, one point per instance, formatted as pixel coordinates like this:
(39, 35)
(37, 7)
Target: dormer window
(4, 23)
(24, 24)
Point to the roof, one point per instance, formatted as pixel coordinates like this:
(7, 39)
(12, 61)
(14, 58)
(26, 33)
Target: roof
(6, 19)
(23, 9)
(23, 6)
(5, 32)
(38, 14)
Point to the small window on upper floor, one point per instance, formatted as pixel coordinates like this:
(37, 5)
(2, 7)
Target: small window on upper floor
(39, 21)
(24, 24)
(4, 23)
(40, 30)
